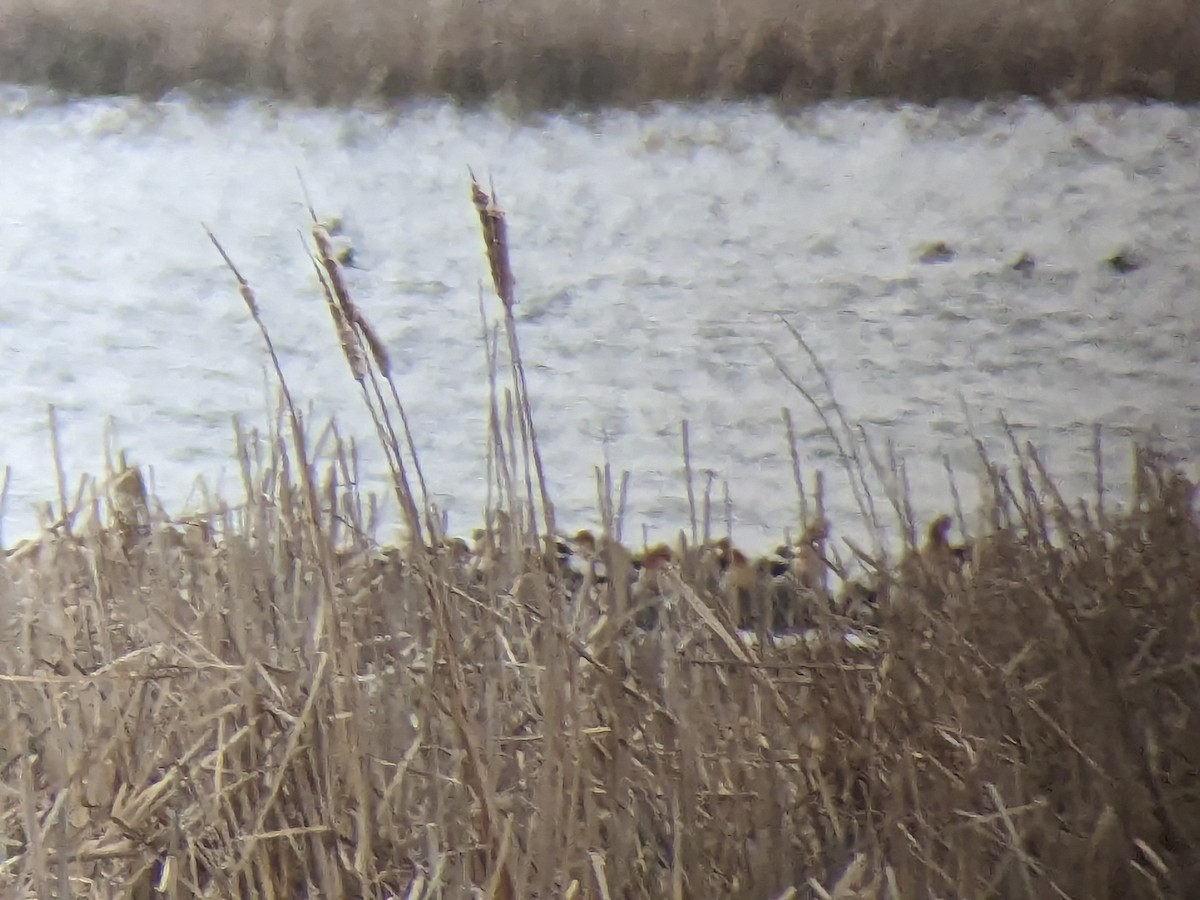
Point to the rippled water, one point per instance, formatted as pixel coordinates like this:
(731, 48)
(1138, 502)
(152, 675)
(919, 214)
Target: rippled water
(655, 253)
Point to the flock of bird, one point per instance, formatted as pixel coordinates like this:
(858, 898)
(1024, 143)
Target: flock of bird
(787, 592)
(794, 590)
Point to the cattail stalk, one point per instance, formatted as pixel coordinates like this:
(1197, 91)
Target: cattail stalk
(495, 238)
(338, 295)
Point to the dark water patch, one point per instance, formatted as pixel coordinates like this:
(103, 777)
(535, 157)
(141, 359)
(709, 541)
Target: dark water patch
(954, 315)
(432, 289)
(1027, 325)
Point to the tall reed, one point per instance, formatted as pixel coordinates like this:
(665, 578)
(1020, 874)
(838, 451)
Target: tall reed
(495, 238)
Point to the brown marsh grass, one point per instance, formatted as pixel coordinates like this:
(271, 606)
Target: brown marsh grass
(583, 52)
(264, 700)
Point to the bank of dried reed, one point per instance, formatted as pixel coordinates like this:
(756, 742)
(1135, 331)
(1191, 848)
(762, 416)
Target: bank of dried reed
(583, 52)
(264, 701)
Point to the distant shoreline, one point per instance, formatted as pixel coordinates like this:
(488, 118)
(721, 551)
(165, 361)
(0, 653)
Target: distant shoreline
(588, 54)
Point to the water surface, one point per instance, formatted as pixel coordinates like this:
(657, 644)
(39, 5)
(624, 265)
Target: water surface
(655, 252)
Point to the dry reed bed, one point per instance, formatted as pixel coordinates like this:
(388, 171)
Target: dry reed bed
(263, 701)
(177, 716)
(553, 54)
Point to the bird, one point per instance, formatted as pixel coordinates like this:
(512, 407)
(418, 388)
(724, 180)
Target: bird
(938, 558)
(650, 584)
(1125, 261)
(936, 252)
(740, 588)
(1025, 263)
(808, 562)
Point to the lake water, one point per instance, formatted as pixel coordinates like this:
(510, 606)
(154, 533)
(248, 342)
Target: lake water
(655, 253)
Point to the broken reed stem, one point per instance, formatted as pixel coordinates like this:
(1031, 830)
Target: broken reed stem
(604, 496)
(727, 499)
(687, 477)
(612, 513)
(495, 238)
(622, 506)
(60, 475)
(710, 477)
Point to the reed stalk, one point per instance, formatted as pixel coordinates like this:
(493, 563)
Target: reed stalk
(495, 237)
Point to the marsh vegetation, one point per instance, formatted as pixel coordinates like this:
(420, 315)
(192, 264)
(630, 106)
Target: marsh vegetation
(585, 53)
(274, 697)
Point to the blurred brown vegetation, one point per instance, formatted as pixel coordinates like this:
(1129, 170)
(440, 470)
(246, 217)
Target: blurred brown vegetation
(582, 52)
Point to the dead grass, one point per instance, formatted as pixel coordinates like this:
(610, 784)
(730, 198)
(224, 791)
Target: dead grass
(543, 54)
(264, 701)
